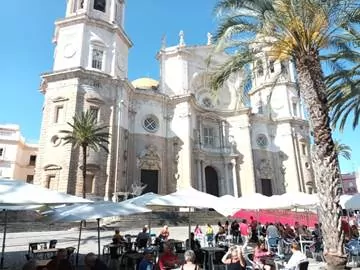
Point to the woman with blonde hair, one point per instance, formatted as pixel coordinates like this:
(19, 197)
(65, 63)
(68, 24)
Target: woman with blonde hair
(234, 259)
(190, 258)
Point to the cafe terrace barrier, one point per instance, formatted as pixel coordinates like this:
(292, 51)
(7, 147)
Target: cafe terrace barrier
(283, 216)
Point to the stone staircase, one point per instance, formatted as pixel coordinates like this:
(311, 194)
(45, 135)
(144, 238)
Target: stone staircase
(31, 222)
(158, 219)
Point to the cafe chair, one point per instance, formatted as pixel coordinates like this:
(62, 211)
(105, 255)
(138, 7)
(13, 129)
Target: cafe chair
(52, 243)
(32, 247)
(352, 249)
(272, 244)
(303, 265)
(250, 260)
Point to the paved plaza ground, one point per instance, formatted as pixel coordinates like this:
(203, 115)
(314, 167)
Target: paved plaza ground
(17, 243)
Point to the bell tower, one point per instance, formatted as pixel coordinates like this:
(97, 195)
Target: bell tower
(92, 36)
(89, 73)
(274, 90)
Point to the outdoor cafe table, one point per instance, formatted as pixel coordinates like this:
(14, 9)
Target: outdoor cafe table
(37, 244)
(44, 253)
(211, 251)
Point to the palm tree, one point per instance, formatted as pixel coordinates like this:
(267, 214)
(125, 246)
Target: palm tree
(343, 83)
(342, 150)
(86, 134)
(300, 31)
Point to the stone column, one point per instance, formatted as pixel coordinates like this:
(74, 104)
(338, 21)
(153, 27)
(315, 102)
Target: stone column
(235, 182)
(227, 182)
(203, 177)
(199, 174)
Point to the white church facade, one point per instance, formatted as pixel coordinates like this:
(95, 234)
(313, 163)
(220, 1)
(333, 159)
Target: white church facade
(172, 132)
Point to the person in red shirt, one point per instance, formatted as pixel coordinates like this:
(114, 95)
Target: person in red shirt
(168, 259)
(244, 232)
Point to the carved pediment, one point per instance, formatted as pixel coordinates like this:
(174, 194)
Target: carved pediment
(52, 167)
(264, 169)
(59, 99)
(90, 167)
(149, 159)
(95, 100)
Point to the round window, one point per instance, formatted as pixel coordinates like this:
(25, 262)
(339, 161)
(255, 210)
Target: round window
(207, 102)
(151, 123)
(262, 141)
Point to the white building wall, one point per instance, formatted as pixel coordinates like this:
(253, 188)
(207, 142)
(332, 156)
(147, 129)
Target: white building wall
(15, 158)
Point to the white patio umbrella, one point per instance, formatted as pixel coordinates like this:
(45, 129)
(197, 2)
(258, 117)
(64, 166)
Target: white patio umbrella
(187, 198)
(143, 199)
(227, 205)
(350, 201)
(18, 195)
(254, 201)
(300, 199)
(94, 211)
(15, 192)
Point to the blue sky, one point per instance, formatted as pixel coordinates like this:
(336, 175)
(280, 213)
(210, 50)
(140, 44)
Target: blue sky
(26, 51)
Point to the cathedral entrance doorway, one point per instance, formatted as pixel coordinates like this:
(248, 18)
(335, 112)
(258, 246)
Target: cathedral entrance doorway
(151, 179)
(212, 183)
(266, 187)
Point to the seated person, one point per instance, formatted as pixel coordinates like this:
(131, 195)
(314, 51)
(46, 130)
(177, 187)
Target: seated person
(60, 262)
(260, 256)
(143, 238)
(221, 231)
(194, 244)
(296, 258)
(164, 233)
(189, 258)
(234, 258)
(118, 238)
(147, 263)
(289, 232)
(168, 259)
(354, 232)
(92, 262)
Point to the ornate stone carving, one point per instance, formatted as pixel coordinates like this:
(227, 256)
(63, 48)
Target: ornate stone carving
(265, 170)
(149, 159)
(43, 85)
(177, 144)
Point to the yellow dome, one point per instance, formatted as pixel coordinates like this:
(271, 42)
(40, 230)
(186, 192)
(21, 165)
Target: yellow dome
(145, 84)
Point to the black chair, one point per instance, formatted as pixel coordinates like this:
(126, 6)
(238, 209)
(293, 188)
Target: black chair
(52, 243)
(303, 265)
(32, 247)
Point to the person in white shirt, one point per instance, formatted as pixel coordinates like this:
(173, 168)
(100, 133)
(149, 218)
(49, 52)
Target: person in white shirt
(297, 257)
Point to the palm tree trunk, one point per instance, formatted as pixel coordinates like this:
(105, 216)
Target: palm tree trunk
(325, 162)
(84, 152)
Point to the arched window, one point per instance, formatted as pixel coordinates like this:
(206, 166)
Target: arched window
(284, 67)
(78, 4)
(100, 5)
(259, 68)
(271, 66)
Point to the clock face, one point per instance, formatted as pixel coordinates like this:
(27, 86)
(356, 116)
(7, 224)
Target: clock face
(69, 50)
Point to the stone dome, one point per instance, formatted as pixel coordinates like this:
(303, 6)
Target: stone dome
(145, 83)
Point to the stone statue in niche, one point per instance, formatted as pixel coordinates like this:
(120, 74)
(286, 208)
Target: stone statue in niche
(149, 159)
